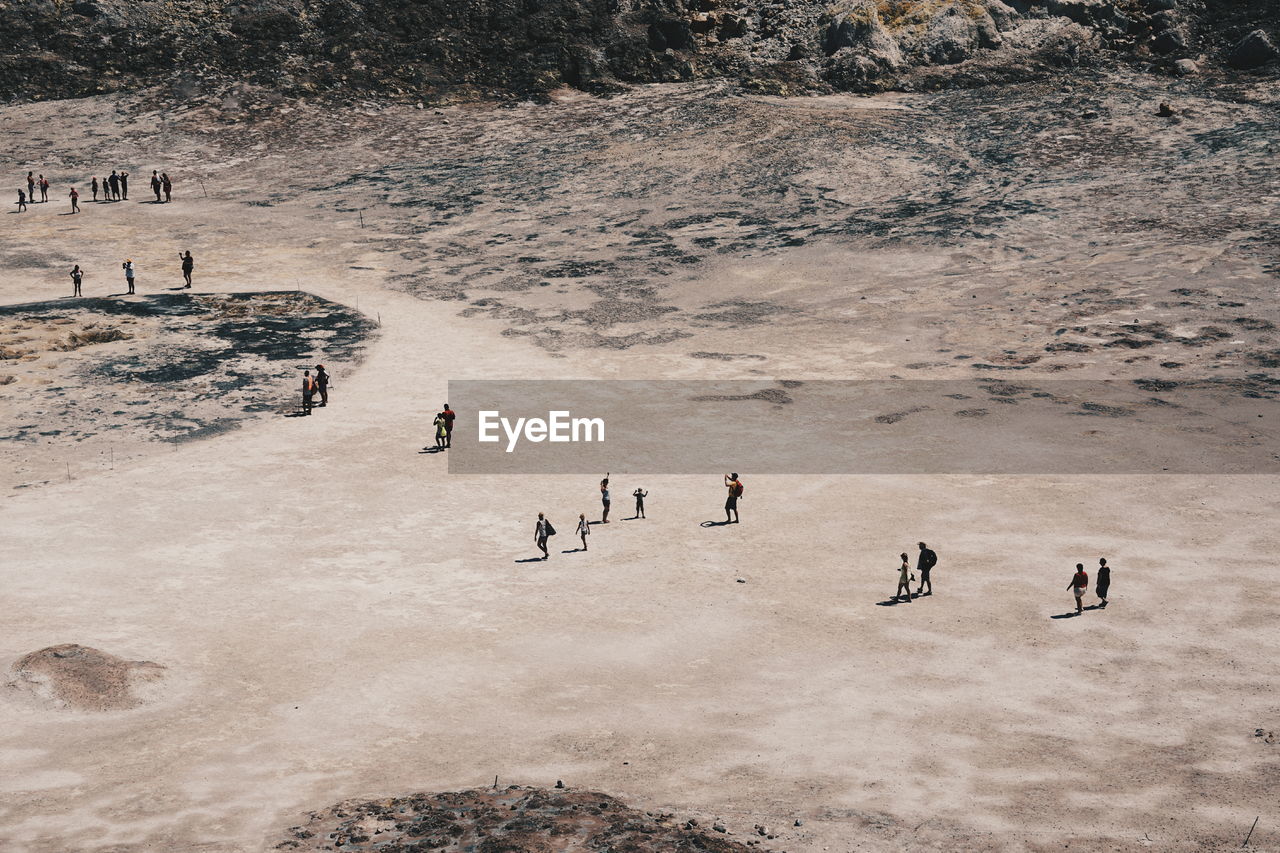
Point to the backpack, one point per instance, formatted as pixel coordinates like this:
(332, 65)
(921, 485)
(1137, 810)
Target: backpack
(738, 490)
(548, 529)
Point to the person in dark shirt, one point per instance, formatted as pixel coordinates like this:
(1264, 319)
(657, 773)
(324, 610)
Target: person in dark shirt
(1079, 585)
(322, 384)
(155, 184)
(124, 185)
(1103, 582)
(188, 264)
(448, 414)
(926, 561)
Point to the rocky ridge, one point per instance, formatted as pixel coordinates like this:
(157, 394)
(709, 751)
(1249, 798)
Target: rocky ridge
(449, 50)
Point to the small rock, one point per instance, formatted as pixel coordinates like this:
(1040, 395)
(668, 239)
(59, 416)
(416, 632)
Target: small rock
(742, 580)
(559, 784)
(799, 822)
(1165, 110)
(418, 105)
(1184, 67)
(719, 827)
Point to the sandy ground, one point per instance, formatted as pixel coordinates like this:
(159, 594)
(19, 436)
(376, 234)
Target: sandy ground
(339, 617)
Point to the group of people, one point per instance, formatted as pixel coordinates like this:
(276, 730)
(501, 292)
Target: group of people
(114, 187)
(443, 425)
(544, 529)
(1079, 585)
(924, 565)
(131, 274)
(313, 385)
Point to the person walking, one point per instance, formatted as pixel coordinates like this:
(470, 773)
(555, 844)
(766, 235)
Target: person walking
(22, 201)
(44, 189)
(124, 185)
(77, 275)
(129, 274)
(1103, 583)
(94, 186)
(113, 184)
(167, 186)
(188, 264)
(448, 414)
(604, 499)
(904, 579)
(322, 384)
(308, 391)
(75, 200)
(541, 531)
(639, 494)
(926, 561)
(584, 529)
(1079, 585)
(155, 184)
(31, 186)
(438, 423)
(734, 485)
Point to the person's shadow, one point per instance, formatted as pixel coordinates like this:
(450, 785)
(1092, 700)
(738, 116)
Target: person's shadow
(892, 602)
(1072, 614)
(573, 550)
(715, 523)
(531, 560)
(430, 450)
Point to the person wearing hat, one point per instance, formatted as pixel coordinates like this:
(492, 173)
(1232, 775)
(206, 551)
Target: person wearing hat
(322, 385)
(128, 273)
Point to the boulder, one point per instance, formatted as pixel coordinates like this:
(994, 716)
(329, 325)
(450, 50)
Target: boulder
(1253, 51)
(860, 33)
(1169, 41)
(1185, 67)
(1004, 16)
(955, 32)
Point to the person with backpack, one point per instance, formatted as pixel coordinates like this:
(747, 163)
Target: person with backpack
(1079, 585)
(77, 275)
(734, 485)
(640, 494)
(541, 531)
(1103, 583)
(904, 579)
(584, 529)
(924, 563)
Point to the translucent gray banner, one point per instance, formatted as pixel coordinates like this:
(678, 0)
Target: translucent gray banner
(866, 427)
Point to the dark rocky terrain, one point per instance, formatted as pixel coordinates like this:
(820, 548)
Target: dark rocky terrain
(462, 49)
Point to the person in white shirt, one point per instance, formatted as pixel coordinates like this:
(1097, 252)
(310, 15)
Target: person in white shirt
(584, 529)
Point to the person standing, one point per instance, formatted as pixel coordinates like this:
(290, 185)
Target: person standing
(731, 502)
(541, 531)
(639, 494)
(926, 561)
(308, 391)
(94, 187)
(438, 423)
(77, 275)
(44, 189)
(1079, 585)
(129, 273)
(75, 200)
(448, 414)
(904, 579)
(584, 529)
(188, 264)
(167, 186)
(124, 185)
(322, 383)
(155, 184)
(1103, 583)
(22, 201)
(605, 499)
(31, 186)
(113, 184)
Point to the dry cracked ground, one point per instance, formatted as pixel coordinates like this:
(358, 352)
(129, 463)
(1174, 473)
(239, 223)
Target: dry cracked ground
(327, 616)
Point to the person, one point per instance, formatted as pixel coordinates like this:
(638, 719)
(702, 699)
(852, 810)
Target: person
(604, 499)
(113, 184)
(124, 185)
(44, 189)
(94, 187)
(155, 184)
(584, 529)
(129, 273)
(731, 503)
(448, 414)
(438, 423)
(1103, 584)
(541, 531)
(904, 579)
(322, 382)
(22, 201)
(75, 200)
(188, 264)
(31, 186)
(76, 276)
(640, 494)
(927, 561)
(1080, 585)
(167, 185)
(308, 391)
